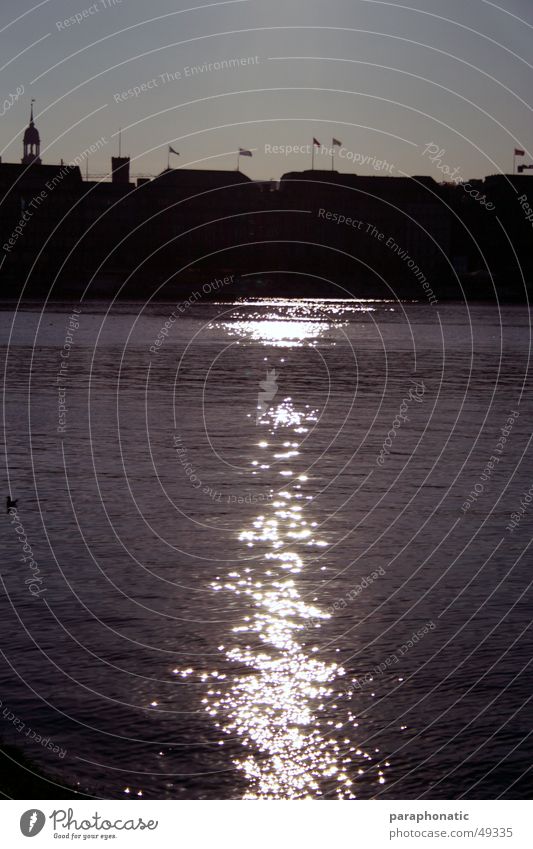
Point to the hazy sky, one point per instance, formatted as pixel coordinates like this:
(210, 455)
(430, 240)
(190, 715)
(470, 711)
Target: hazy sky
(385, 78)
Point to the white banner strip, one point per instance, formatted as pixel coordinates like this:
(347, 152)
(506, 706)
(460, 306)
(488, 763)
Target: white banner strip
(264, 825)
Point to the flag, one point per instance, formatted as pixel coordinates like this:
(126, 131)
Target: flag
(243, 152)
(171, 150)
(518, 152)
(315, 141)
(336, 142)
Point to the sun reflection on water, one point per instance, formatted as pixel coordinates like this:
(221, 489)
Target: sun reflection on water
(274, 707)
(282, 334)
(290, 324)
(284, 707)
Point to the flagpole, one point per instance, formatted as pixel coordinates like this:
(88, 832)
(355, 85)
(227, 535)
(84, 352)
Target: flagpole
(313, 156)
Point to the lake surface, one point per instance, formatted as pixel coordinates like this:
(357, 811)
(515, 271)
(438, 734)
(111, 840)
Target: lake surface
(274, 554)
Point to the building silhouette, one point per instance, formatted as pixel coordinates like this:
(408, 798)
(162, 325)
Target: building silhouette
(314, 233)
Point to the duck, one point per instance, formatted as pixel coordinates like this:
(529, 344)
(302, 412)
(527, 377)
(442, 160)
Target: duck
(11, 503)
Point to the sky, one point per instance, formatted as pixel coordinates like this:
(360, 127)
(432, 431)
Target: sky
(386, 79)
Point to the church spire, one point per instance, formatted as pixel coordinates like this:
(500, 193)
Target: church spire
(31, 142)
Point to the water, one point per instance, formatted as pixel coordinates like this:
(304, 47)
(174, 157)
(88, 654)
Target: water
(258, 576)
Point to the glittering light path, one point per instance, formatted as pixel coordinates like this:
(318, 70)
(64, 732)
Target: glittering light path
(283, 704)
(274, 708)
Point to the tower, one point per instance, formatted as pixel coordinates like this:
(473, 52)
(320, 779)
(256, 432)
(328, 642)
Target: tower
(120, 166)
(120, 170)
(31, 143)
